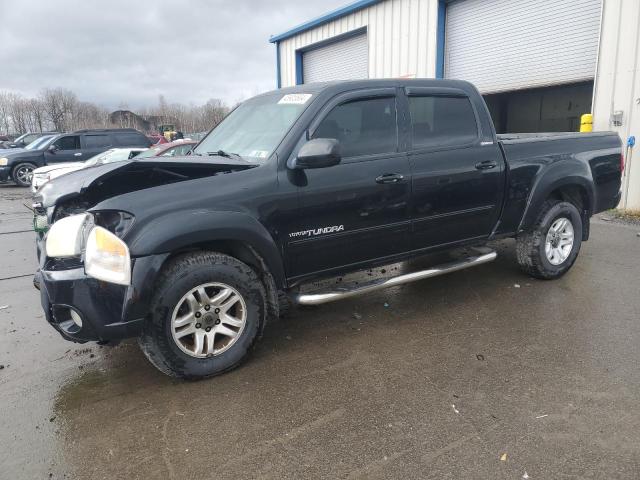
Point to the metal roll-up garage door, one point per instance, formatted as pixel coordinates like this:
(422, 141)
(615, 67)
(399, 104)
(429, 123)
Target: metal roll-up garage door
(502, 45)
(346, 59)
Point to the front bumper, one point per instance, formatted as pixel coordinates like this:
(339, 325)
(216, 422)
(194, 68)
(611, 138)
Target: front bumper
(108, 311)
(5, 174)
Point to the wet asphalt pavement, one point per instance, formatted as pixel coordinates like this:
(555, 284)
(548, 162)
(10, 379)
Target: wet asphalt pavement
(484, 373)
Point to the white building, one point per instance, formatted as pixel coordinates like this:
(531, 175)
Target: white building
(540, 64)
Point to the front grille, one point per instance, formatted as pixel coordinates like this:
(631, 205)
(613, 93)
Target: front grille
(53, 264)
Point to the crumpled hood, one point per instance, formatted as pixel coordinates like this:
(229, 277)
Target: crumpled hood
(96, 184)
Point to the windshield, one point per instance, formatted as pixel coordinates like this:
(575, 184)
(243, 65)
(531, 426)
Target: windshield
(114, 155)
(37, 143)
(151, 152)
(255, 128)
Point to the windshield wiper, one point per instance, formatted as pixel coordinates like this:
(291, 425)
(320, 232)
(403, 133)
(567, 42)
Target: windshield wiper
(222, 153)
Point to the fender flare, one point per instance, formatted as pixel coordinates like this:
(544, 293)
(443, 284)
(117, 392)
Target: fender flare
(179, 230)
(570, 172)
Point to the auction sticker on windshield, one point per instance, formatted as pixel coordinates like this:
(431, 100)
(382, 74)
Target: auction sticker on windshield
(295, 99)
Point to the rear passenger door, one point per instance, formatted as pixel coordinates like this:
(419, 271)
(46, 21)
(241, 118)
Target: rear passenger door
(95, 143)
(131, 140)
(357, 210)
(457, 175)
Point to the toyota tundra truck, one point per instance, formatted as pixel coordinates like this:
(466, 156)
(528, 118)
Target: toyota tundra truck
(192, 255)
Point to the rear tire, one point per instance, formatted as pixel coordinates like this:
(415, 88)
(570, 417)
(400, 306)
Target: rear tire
(545, 251)
(22, 174)
(178, 286)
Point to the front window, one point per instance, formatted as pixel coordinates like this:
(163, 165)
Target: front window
(363, 126)
(255, 128)
(30, 138)
(71, 142)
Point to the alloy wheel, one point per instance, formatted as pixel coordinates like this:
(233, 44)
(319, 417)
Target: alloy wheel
(208, 320)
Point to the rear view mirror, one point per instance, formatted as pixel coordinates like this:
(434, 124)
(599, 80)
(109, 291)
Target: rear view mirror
(318, 153)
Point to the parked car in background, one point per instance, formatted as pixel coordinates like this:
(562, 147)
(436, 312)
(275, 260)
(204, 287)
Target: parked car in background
(43, 174)
(22, 174)
(157, 139)
(68, 147)
(25, 139)
(172, 149)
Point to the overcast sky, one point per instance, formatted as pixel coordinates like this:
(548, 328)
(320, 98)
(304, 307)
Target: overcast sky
(131, 51)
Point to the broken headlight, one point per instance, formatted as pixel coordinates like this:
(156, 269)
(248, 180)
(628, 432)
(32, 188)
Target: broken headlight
(117, 222)
(65, 237)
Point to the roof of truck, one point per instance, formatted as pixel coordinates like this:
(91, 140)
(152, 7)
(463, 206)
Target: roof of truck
(346, 85)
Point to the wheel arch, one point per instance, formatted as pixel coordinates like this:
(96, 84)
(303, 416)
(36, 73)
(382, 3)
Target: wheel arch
(572, 188)
(235, 234)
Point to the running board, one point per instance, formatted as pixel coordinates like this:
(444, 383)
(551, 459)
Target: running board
(341, 293)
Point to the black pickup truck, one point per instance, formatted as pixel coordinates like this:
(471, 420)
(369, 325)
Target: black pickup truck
(192, 255)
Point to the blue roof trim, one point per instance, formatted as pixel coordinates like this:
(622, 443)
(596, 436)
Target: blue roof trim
(340, 12)
(440, 36)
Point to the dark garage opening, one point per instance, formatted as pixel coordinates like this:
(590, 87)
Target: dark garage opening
(548, 109)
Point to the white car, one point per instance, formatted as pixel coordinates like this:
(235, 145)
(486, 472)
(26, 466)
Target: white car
(43, 174)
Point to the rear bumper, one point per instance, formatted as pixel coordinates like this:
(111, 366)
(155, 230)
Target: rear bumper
(107, 311)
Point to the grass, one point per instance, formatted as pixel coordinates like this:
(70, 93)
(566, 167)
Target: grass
(626, 215)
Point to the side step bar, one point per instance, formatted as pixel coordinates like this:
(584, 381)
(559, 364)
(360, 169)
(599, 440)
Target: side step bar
(340, 293)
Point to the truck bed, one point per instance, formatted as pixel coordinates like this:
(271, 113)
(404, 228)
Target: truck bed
(536, 159)
(508, 138)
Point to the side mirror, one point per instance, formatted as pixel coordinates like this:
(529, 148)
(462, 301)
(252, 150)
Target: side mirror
(52, 148)
(318, 153)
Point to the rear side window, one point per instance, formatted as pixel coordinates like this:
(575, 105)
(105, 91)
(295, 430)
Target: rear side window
(131, 140)
(97, 141)
(442, 121)
(70, 142)
(363, 127)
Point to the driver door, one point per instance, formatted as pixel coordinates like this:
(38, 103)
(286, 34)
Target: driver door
(357, 210)
(66, 149)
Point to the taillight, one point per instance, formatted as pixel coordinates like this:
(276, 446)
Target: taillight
(621, 162)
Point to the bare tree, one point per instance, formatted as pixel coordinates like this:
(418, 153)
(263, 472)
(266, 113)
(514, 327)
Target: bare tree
(36, 110)
(59, 109)
(18, 112)
(59, 104)
(5, 117)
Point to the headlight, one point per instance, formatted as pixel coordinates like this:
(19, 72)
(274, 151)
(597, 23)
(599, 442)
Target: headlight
(107, 257)
(65, 237)
(4, 161)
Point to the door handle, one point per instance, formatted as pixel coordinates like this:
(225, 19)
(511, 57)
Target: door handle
(390, 178)
(486, 165)
(77, 154)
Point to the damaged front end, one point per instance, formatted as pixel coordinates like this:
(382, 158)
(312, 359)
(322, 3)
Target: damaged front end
(78, 191)
(92, 288)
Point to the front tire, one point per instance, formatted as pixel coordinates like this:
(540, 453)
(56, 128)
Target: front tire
(550, 247)
(206, 315)
(22, 174)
